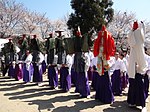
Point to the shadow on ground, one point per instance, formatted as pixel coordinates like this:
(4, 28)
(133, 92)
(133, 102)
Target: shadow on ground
(34, 96)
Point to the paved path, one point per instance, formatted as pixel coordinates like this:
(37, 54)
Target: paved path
(15, 96)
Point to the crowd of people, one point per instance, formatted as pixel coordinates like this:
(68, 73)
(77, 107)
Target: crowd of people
(110, 71)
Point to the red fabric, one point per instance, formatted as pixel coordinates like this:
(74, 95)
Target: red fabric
(103, 28)
(111, 46)
(108, 44)
(24, 35)
(78, 33)
(34, 36)
(20, 41)
(135, 25)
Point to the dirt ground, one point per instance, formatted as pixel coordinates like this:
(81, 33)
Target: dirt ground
(16, 96)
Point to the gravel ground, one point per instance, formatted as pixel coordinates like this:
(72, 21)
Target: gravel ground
(15, 96)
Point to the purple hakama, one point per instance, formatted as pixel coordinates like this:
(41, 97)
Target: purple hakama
(103, 89)
(136, 92)
(95, 80)
(53, 77)
(124, 80)
(37, 73)
(43, 66)
(27, 73)
(146, 84)
(65, 79)
(116, 82)
(90, 74)
(73, 76)
(19, 71)
(11, 72)
(82, 85)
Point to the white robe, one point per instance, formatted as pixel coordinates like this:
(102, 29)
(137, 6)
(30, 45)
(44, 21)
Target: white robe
(69, 62)
(136, 43)
(87, 62)
(147, 58)
(41, 56)
(28, 61)
(118, 65)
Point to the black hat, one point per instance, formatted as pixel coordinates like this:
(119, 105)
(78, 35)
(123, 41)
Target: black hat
(124, 50)
(58, 31)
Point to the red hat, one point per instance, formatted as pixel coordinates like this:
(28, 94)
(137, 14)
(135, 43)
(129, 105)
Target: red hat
(10, 39)
(50, 34)
(27, 51)
(135, 25)
(34, 36)
(103, 28)
(78, 33)
(24, 35)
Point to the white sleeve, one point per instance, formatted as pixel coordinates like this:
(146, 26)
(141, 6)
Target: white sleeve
(111, 62)
(87, 62)
(123, 67)
(41, 58)
(29, 59)
(69, 60)
(142, 27)
(131, 39)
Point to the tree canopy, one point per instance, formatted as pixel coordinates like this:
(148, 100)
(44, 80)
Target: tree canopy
(90, 14)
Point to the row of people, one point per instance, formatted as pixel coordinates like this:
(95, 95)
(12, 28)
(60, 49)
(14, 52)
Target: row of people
(110, 75)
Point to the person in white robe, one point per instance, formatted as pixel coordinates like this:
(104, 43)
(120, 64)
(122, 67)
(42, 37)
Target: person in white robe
(91, 56)
(37, 74)
(65, 73)
(137, 66)
(147, 75)
(136, 42)
(118, 68)
(28, 68)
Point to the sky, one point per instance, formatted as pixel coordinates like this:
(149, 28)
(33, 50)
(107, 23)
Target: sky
(56, 9)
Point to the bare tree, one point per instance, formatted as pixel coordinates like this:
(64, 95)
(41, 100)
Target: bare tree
(10, 15)
(147, 29)
(45, 27)
(120, 27)
(30, 22)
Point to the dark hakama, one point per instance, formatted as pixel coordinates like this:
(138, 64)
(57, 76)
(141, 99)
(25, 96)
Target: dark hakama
(103, 89)
(11, 72)
(116, 82)
(53, 77)
(28, 73)
(73, 76)
(124, 80)
(90, 74)
(44, 66)
(19, 71)
(82, 85)
(136, 92)
(95, 80)
(146, 84)
(37, 73)
(65, 79)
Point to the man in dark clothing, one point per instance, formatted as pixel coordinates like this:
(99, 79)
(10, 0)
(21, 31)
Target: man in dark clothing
(60, 48)
(34, 47)
(50, 48)
(9, 54)
(23, 45)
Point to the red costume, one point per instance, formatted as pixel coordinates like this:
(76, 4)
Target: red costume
(104, 47)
